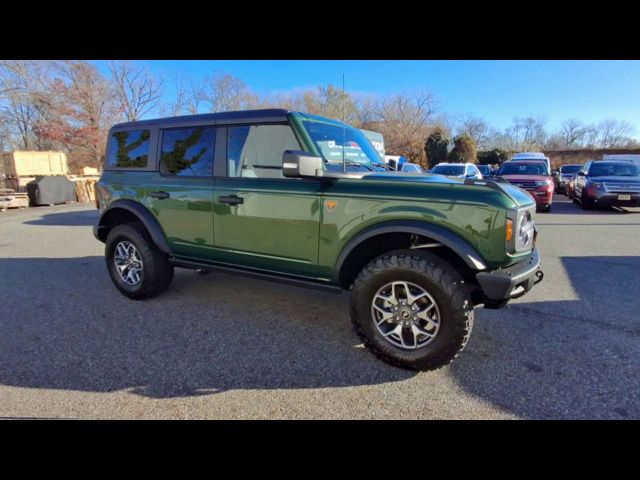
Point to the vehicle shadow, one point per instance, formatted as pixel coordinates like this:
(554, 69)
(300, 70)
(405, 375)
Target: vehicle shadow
(65, 326)
(563, 359)
(563, 205)
(80, 218)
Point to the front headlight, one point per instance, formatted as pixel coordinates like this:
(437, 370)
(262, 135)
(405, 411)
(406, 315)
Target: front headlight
(520, 230)
(598, 185)
(525, 232)
(543, 183)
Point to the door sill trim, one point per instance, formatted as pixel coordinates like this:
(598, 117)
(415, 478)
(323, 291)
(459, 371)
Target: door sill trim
(298, 280)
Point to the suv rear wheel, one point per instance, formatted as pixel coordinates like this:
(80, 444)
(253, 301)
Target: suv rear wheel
(412, 309)
(137, 268)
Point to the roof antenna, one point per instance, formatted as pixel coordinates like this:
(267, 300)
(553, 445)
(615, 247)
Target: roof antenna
(344, 129)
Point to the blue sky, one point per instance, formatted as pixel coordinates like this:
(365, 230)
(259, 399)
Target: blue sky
(494, 90)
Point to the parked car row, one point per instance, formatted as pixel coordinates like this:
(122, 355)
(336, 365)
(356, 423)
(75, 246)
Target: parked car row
(592, 184)
(606, 183)
(528, 171)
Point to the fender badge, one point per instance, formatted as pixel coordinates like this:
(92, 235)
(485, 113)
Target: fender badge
(331, 205)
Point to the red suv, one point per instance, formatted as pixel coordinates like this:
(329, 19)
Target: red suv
(534, 177)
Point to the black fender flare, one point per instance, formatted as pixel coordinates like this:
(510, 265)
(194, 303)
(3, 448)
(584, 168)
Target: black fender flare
(143, 214)
(441, 235)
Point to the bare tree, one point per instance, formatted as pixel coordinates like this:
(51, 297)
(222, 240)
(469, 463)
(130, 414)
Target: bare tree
(81, 110)
(224, 92)
(614, 133)
(405, 122)
(24, 87)
(137, 91)
(476, 128)
(186, 100)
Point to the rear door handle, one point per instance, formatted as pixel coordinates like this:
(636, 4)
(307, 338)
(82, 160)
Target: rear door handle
(159, 195)
(231, 200)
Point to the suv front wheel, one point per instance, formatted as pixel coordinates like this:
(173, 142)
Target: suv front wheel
(412, 309)
(137, 268)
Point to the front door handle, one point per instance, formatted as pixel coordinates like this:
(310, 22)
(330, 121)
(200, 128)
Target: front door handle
(159, 195)
(231, 200)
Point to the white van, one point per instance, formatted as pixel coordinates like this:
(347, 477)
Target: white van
(533, 156)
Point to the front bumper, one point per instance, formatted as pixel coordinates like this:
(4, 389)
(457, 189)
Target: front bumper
(612, 199)
(504, 284)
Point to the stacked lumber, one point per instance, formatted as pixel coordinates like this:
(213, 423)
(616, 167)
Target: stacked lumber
(85, 189)
(11, 199)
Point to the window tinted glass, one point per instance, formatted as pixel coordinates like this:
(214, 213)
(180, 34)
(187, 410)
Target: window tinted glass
(341, 142)
(188, 151)
(515, 168)
(256, 151)
(448, 169)
(613, 170)
(129, 149)
(567, 169)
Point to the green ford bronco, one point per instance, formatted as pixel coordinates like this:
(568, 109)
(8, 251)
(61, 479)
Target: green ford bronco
(306, 199)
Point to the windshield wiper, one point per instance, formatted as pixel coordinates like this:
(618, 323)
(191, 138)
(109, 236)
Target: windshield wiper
(357, 164)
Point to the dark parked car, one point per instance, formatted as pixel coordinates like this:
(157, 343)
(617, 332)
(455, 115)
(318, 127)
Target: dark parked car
(485, 170)
(608, 183)
(564, 176)
(569, 188)
(532, 176)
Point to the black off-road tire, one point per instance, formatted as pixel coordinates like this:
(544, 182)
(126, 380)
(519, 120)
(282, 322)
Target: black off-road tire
(444, 284)
(157, 272)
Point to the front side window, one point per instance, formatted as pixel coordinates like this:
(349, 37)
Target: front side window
(255, 151)
(128, 149)
(188, 152)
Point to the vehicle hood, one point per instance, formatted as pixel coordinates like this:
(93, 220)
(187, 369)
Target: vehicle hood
(519, 196)
(525, 178)
(414, 177)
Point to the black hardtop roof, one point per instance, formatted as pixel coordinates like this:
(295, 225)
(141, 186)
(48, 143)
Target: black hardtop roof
(275, 114)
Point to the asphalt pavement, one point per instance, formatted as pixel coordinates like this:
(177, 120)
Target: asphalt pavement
(225, 346)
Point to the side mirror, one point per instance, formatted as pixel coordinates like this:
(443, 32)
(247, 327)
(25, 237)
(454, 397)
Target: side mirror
(297, 164)
(580, 174)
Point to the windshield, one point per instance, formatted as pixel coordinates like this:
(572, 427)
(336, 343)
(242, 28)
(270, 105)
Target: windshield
(613, 170)
(568, 169)
(451, 170)
(515, 168)
(484, 169)
(336, 143)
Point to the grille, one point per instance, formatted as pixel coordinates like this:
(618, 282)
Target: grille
(526, 185)
(622, 187)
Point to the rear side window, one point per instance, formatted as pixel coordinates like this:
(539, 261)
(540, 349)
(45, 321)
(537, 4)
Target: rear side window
(256, 151)
(188, 152)
(129, 149)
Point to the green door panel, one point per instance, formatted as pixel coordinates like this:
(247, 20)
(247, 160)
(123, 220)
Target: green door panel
(276, 228)
(187, 215)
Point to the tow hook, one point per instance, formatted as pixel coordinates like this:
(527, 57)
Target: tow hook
(539, 277)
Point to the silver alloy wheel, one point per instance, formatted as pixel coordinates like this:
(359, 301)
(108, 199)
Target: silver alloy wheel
(128, 263)
(406, 315)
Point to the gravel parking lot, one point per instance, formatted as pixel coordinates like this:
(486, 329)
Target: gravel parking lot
(224, 346)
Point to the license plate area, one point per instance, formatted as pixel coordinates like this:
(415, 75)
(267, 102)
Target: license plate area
(624, 197)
